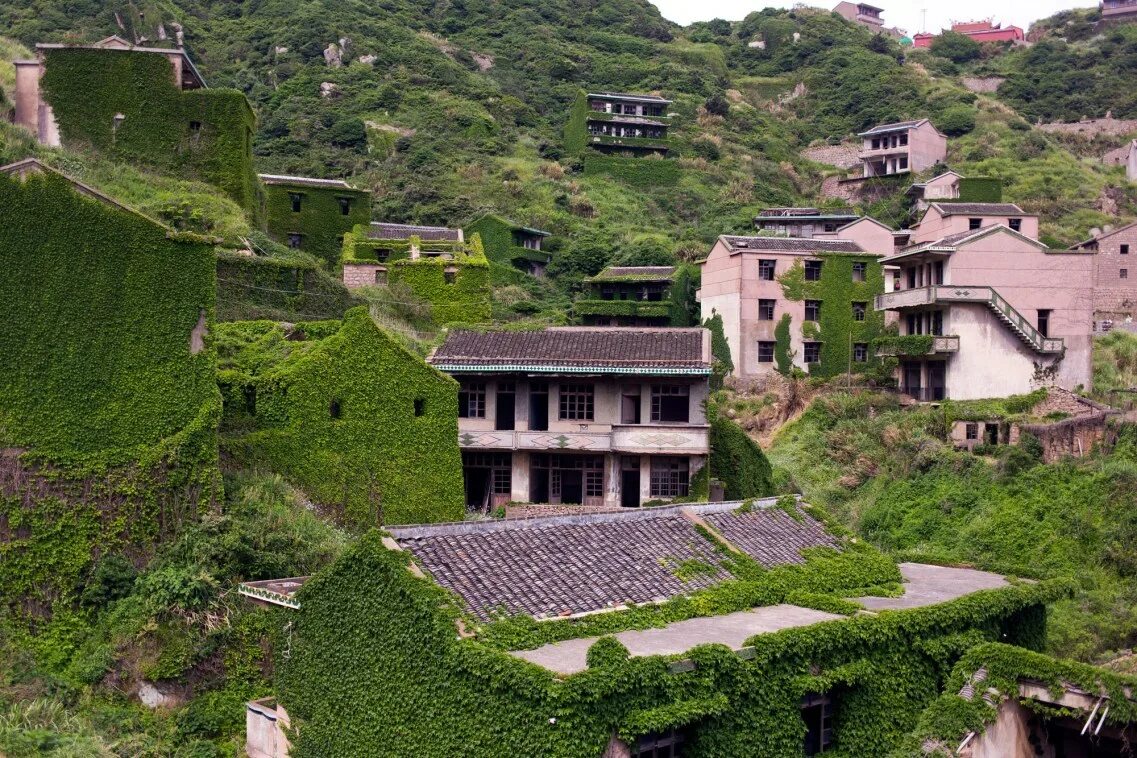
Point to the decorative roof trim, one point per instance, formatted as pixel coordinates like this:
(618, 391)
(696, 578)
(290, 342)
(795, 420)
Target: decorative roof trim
(539, 368)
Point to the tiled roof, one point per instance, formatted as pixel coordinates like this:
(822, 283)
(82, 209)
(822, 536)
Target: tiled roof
(581, 347)
(806, 213)
(384, 231)
(771, 536)
(636, 273)
(305, 181)
(630, 96)
(979, 209)
(576, 564)
(791, 244)
(883, 128)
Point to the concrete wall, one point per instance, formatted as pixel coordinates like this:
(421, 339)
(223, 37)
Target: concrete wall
(926, 147)
(1007, 737)
(1116, 298)
(31, 112)
(1131, 163)
(265, 724)
(871, 235)
(934, 225)
(992, 361)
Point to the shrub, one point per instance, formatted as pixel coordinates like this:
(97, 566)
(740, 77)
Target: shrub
(607, 651)
(957, 120)
(958, 48)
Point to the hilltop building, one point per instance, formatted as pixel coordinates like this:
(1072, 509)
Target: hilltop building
(508, 242)
(985, 309)
(578, 415)
(313, 215)
(634, 296)
(621, 124)
(436, 263)
(1118, 10)
(798, 302)
(868, 16)
(145, 104)
(803, 222)
(901, 148)
(1114, 277)
(980, 31)
(486, 637)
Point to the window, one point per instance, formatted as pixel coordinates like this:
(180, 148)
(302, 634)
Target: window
(594, 483)
(380, 276)
(937, 323)
(1016, 224)
(195, 126)
(294, 240)
(345, 205)
(812, 310)
(1124, 273)
(576, 402)
(860, 352)
(670, 403)
(669, 477)
(1125, 249)
(502, 481)
(974, 223)
(294, 198)
(859, 310)
(667, 744)
(766, 352)
(812, 352)
(472, 400)
(335, 409)
(859, 272)
(938, 272)
(902, 164)
(1044, 323)
(812, 271)
(816, 712)
(765, 310)
(972, 431)
(382, 254)
(912, 278)
(420, 406)
(766, 270)
(449, 276)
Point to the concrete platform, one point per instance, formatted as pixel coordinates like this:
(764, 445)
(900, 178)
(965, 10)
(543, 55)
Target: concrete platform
(928, 585)
(732, 630)
(923, 585)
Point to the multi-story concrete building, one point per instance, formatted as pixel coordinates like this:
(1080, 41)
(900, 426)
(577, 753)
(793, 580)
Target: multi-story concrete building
(1118, 10)
(861, 13)
(1115, 274)
(901, 148)
(942, 187)
(579, 415)
(627, 123)
(986, 310)
(629, 296)
(803, 222)
(751, 282)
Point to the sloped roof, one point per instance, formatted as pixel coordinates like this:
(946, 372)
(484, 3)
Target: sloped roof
(1102, 236)
(577, 348)
(559, 566)
(802, 245)
(636, 274)
(383, 231)
(307, 181)
(804, 213)
(949, 243)
(895, 127)
(979, 209)
(631, 96)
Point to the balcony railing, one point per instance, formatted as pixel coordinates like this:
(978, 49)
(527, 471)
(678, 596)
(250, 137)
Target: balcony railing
(640, 308)
(689, 439)
(651, 143)
(883, 151)
(936, 345)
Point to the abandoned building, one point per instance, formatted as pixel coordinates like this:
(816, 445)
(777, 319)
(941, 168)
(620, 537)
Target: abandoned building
(901, 148)
(757, 675)
(1115, 278)
(508, 242)
(803, 222)
(579, 415)
(313, 215)
(628, 124)
(629, 296)
(1118, 10)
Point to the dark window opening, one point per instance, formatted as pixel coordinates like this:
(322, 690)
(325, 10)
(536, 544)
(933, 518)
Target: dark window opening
(420, 406)
(538, 407)
(380, 276)
(671, 403)
(345, 205)
(860, 352)
(812, 352)
(812, 310)
(991, 434)
(450, 276)
(472, 400)
(766, 310)
(859, 311)
(817, 713)
(938, 323)
(505, 412)
(630, 405)
(1124, 273)
(972, 431)
(1125, 249)
(938, 272)
(382, 254)
(195, 126)
(766, 352)
(911, 278)
(577, 402)
(1016, 224)
(335, 409)
(1044, 323)
(667, 744)
(250, 399)
(295, 199)
(813, 271)
(859, 270)
(294, 240)
(974, 223)
(766, 270)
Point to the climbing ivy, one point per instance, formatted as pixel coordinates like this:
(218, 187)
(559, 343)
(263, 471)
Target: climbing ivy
(320, 221)
(364, 427)
(576, 129)
(204, 133)
(720, 350)
(641, 173)
(738, 462)
(783, 355)
(497, 239)
(252, 288)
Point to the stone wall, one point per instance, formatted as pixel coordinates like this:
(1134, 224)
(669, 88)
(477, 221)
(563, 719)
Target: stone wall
(1092, 127)
(539, 511)
(844, 155)
(356, 275)
(984, 84)
(1073, 437)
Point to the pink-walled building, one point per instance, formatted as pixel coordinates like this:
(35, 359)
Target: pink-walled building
(1007, 314)
(943, 187)
(861, 13)
(1118, 10)
(1115, 273)
(901, 148)
(33, 112)
(980, 31)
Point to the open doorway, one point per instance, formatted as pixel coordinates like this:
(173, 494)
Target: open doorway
(630, 481)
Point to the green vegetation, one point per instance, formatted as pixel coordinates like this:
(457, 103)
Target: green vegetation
(321, 221)
(1115, 367)
(738, 462)
(366, 428)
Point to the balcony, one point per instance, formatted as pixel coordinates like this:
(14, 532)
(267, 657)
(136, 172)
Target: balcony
(631, 308)
(630, 118)
(639, 143)
(881, 152)
(689, 439)
(916, 345)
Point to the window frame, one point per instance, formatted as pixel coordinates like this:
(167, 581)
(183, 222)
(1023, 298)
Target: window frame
(659, 392)
(767, 269)
(806, 347)
(576, 402)
(813, 271)
(472, 395)
(860, 271)
(669, 477)
(860, 310)
(763, 304)
(813, 306)
(860, 352)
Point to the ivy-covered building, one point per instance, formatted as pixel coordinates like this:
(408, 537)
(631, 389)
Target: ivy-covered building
(348, 414)
(313, 215)
(635, 296)
(715, 629)
(579, 415)
(143, 104)
(507, 242)
(108, 399)
(619, 123)
(437, 264)
(790, 303)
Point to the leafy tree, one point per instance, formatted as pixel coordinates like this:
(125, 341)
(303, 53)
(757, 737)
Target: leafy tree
(957, 120)
(956, 47)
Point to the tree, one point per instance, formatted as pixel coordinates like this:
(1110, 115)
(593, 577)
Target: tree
(956, 47)
(957, 120)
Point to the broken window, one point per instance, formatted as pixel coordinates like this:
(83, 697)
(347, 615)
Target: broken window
(812, 271)
(1124, 273)
(335, 409)
(295, 199)
(812, 352)
(860, 352)
(812, 310)
(766, 270)
(766, 352)
(472, 400)
(450, 276)
(1125, 249)
(974, 223)
(670, 477)
(859, 311)
(666, 744)
(859, 270)
(294, 240)
(670, 403)
(971, 431)
(765, 310)
(1016, 224)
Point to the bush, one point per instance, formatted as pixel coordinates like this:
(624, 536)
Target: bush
(112, 579)
(957, 120)
(957, 48)
(606, 651)
(717, 105)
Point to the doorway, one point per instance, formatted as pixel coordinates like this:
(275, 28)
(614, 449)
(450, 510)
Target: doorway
(504, 415)
(539, 410)
(630, 481)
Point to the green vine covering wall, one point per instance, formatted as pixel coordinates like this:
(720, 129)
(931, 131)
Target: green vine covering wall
(250, 288)
(320, 221)
(904, 344)
(113, 411)
(641, 173)
(368, 619)
(497, 239)
(837, 330)
(738, 462)
(576, 129)
(783, 355)
(363, 426)
(87, 88)
(723, 365)
(980, 189)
